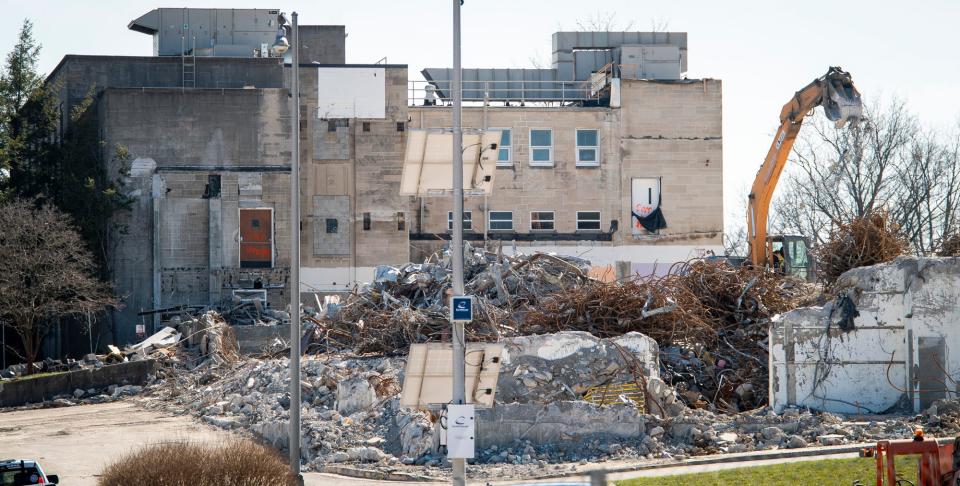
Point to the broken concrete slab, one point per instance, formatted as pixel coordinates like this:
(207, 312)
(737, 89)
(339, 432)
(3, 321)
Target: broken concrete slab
(558, 422)
(566, 365)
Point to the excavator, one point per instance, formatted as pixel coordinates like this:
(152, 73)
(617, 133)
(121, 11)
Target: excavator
(841, 103)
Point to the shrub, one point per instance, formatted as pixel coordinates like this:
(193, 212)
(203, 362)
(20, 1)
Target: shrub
(236, 463)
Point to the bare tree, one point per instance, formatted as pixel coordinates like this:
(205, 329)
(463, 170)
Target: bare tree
(886, 162)
(46, 274)
(604, 22)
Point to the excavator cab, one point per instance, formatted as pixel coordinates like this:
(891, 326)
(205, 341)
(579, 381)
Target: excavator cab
(789, 255)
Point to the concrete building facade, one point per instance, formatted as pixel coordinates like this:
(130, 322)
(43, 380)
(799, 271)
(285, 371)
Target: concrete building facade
(209, 139)
(666, 137)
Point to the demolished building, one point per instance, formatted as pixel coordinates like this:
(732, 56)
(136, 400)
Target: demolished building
(613, 134)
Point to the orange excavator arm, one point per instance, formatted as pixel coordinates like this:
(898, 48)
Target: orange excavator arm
(841, 102)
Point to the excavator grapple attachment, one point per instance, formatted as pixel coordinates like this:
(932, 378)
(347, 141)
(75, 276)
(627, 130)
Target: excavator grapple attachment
(842, 103)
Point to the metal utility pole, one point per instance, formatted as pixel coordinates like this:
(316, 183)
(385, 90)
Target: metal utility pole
(295, 254)
(456, 246)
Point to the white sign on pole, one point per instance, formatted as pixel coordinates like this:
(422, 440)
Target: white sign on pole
(461, 429)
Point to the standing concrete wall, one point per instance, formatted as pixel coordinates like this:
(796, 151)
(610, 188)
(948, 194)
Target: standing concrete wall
(903, 349)
(181, 245)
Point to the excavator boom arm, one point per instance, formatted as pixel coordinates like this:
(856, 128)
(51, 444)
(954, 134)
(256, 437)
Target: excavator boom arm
(841, 102)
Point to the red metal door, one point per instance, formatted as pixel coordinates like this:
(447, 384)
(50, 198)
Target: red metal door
(256, 238)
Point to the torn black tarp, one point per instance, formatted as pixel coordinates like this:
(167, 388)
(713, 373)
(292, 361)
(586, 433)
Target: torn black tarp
(653, 221)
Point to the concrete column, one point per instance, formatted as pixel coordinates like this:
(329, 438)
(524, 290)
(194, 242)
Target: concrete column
(157, 194)
(215, 238)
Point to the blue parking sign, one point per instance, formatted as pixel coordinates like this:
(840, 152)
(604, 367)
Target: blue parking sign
(461, 308)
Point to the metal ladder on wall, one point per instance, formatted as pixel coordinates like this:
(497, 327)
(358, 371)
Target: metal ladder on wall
(188, 63)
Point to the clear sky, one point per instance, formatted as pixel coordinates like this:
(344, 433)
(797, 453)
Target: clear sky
(762, 50)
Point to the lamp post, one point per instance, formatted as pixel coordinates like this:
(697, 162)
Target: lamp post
(295, 255)
(456, 247)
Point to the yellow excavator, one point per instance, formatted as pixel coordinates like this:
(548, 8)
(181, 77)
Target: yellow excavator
(841, 103)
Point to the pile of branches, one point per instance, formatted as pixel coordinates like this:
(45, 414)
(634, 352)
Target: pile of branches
(714, 312)
(950, 246)
(869, 240)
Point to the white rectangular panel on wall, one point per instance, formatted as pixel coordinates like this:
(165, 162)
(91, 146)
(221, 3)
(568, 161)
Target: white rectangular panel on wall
(351, 92)
(645, 196)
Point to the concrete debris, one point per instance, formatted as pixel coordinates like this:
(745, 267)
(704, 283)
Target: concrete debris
(408, 304)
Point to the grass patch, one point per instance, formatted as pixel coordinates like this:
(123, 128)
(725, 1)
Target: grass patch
(813, 473)
(235, 463)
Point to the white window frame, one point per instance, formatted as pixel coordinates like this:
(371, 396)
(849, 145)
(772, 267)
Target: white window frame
(599, 220)
(467, 218)
(554, 221)
(577, 147)
(490, 221)
(509, 149)
(541, 163)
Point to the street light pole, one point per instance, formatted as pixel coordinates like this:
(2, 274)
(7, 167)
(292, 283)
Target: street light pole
(295, 254)
(456, 246)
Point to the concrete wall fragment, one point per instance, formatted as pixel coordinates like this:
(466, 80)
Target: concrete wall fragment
(897, 356)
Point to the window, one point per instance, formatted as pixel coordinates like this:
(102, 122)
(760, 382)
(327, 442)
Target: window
(500, 220)
(541, 147)
(401, 126)
(366, 126)
(467, 220)
(333, 226)
(401, 221)
(504, 157)
(588, 220)
(366, 222)
(588, 152)
(541, 221)
(334, 124)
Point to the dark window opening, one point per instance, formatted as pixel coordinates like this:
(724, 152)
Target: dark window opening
(213, 187)
(366, 222)
(366, 126)
(401, 126)
(401, 221)
(334, 124)
(333, 226)
(255, 223)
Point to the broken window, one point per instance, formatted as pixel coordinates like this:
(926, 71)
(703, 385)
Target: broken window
(333, 226)
(256, 238)
(501, 220)
(212, 189)
(467, 220)
(366, 222)
(588, 220)
(588, 151)
(541, 147)
(542, 221)
(647, 216)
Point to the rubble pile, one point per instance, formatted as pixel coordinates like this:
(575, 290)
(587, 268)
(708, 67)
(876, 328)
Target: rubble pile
(709, 318)
(351, 413)
(408, 304)
(350, 409)
(862, 242)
